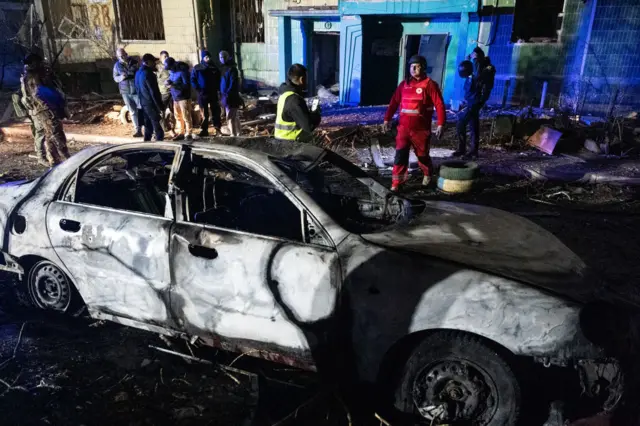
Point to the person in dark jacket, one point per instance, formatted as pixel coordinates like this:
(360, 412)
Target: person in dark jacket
(124, 71)
(294, 121)
(205, 79)
(180, 89)
(230, 92)
(479, 75)
(146, 84)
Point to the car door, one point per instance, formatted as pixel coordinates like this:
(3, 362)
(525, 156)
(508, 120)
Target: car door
(109, 229)
(243, 269)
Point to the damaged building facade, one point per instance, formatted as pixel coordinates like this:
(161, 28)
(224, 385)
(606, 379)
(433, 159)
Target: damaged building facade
(586, 51)
(83, 35)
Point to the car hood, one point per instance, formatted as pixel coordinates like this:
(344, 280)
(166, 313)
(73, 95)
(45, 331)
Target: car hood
(494, 241)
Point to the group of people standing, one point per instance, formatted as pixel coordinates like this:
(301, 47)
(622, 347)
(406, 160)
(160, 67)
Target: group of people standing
(164, 84)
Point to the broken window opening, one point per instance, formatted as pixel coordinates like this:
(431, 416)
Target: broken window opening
(248, 21)
(537, 21)
(347, 194)
(225, 194)
(70, 18)
(141, 20)
(132, 180)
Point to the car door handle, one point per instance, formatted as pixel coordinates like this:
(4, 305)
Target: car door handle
(69, 225)
(204, 252)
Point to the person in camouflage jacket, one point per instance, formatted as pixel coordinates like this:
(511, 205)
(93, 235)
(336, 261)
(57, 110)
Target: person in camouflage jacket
(46, 105)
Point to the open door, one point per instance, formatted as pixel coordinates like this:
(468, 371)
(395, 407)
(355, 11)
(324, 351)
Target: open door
(434, 48)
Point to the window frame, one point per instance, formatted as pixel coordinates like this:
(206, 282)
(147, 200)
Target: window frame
(118, 24)
(305, 214)
(558, 39)
(69, 186)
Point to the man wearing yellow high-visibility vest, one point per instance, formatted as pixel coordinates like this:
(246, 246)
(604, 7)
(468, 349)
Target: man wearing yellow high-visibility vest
(294, 121)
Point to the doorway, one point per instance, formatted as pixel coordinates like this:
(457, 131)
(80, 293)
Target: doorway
(434, 48)
(380, 60)
(326, 61)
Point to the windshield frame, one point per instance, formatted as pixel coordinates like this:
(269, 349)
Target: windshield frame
(386, 196)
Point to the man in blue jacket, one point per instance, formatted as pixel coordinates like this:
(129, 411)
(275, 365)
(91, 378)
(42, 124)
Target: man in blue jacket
(479, 75)
(180, 89)
(230, 92)
(124, 72)
(146, 84)
(205, 79)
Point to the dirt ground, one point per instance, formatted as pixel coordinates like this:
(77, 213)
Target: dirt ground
(57, 371)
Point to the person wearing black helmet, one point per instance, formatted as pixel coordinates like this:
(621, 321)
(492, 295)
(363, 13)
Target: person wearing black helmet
(417, 96)
(46, 104)
(479, 75)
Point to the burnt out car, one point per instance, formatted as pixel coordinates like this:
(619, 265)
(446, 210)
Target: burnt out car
(291, 253)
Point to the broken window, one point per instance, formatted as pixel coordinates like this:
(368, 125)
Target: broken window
(132, 180)
(248, 21)
(225, 194)
(140, 19)
(70, 18)
(537, 21)
(348, 194)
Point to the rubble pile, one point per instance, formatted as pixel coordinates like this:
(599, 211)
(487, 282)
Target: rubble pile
(94, 111)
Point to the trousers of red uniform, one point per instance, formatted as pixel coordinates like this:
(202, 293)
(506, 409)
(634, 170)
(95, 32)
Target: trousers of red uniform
(420, 140)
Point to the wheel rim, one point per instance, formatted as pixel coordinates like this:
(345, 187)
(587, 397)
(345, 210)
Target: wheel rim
(49, 287)
(455, 392)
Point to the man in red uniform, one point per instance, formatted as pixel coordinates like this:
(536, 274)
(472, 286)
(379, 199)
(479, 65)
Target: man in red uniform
(416, 97)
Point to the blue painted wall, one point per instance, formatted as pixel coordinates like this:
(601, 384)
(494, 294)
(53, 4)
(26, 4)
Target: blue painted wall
(406, 7)
(350, 59)
(597, 54)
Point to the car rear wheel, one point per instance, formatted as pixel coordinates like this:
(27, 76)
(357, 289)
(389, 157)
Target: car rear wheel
(455, 378)
(49, 287)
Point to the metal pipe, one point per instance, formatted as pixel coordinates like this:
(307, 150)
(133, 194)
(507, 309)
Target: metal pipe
(196, 17)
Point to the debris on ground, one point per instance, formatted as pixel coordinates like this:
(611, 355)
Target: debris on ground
(327, 99)
(545, 139)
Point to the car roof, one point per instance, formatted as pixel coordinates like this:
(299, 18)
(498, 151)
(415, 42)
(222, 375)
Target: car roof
(255, 147)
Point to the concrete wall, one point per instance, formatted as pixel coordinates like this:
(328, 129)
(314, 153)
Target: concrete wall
(90, 60)
(180, 36)
(258, 62)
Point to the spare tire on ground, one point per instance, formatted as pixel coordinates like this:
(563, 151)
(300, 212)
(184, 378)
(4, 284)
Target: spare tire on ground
(459, 170)
(457, 176)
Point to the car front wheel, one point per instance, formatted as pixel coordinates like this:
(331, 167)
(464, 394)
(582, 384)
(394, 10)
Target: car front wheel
(455, 378)
(49, 288)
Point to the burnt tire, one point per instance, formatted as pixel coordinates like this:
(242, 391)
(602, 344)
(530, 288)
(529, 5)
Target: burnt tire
(459, 170)
(472, 381)
(50, 289)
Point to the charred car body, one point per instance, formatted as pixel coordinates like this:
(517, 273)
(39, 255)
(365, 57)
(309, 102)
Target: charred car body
(295, 254)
